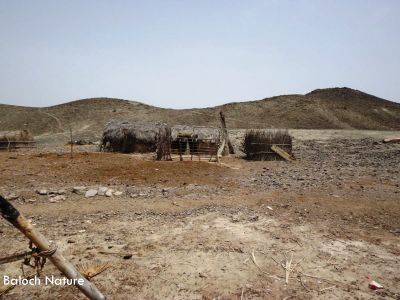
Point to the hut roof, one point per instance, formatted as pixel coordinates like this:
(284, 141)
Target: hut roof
(149, 131)
(142, 131)
(19, 135)
(204, 133)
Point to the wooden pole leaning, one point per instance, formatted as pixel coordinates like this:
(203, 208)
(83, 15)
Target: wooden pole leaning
(12, 215)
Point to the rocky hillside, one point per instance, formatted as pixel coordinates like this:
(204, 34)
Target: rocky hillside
(334, 108)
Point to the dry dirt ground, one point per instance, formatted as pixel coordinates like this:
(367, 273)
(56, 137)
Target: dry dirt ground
(199, 230)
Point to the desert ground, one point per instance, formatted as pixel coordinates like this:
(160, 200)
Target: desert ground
(206, 230)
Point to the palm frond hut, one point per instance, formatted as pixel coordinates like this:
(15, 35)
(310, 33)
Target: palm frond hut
(128, 137)
(195, 140)
(16, 139)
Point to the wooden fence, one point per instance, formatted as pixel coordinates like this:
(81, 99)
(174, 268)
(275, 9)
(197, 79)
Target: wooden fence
(184, 148)
(11, 145)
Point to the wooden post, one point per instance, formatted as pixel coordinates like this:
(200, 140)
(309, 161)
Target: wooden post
(71, 142)
(12, 215)
(228, 145)
(180, 149)
(9, 144)
(282, 153)
(216, 152)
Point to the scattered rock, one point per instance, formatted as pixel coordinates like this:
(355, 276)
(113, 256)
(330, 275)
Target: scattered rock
(109, 193)
(118, 193)
(12, 196)
(127, 256)
(80, 190)
(254, 218)
(70, 241)
(91, 193)
(235, 219)
(102, 190)
(57, 198)
(42, 192)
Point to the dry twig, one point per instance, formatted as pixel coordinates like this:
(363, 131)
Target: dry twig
(253, 257)
(92, 270)
(327, 288)
(287, 268)
(4, 289)
(303, 284)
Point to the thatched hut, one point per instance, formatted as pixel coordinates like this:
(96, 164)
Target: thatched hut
(16, 139)
(128, 137)
(195, 140)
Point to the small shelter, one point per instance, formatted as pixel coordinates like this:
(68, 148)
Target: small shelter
(129, 137)
(10, 140)
(167, 141)
(189, 141)
(267, 145)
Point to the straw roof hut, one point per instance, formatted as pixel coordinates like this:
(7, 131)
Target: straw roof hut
(127, 137)
(16, 139)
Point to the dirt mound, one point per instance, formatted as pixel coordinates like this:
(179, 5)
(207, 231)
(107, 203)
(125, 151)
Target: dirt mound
(334, 108)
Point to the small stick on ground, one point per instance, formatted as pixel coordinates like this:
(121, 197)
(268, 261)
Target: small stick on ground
(316, 277)
(253, 258)
(287, 268)
(5, 289)
(278, 263)
(303, 284)
(327, 288)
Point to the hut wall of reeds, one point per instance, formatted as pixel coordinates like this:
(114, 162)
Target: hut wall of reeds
(257, 144)
(128, 137)
(16, 139)
(195, 140)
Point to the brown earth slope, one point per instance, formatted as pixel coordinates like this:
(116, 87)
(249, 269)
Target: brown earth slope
(334, 108)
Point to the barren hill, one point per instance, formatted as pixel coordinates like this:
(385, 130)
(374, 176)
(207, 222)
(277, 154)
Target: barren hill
(333, 108)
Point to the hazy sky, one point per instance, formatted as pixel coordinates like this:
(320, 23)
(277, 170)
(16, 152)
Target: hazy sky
(195, 53)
